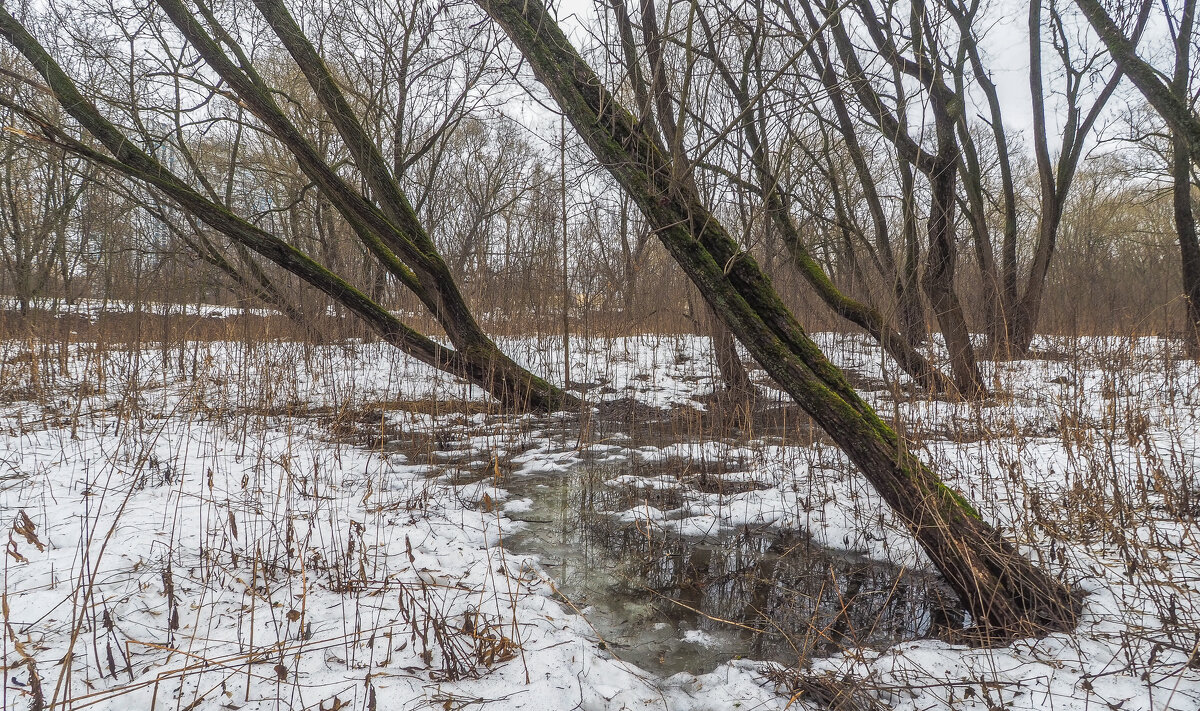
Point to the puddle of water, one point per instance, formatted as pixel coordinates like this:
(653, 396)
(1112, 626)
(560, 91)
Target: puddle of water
(669, 603)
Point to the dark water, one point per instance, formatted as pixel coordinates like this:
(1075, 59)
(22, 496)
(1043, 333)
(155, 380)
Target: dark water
(670, 603)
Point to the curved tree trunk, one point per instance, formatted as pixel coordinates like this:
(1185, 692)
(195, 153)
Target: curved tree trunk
(387, 224)
(896, 343)
(479, 362)
(939, 167)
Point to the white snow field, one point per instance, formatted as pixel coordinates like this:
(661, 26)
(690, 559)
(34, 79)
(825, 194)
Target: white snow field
(212, 525)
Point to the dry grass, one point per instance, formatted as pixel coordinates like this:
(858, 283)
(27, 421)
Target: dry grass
(292, 532)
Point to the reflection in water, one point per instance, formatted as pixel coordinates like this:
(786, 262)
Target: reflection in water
(670, 603)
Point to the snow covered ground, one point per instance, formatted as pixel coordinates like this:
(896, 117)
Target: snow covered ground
(278, 526)
(91, 309)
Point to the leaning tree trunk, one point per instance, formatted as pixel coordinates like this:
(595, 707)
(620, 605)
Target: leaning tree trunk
(1004, 591)
(901, 344)
(482, 364)
(910, 312)
(387, 224)
(940, 168)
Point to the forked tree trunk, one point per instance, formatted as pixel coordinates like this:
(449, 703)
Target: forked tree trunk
(900, 344)
(938, 279)
(477, 361)
(940, 168)
(1004, 591)
(388, 226)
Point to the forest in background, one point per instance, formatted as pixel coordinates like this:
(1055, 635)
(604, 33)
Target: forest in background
(530, 227)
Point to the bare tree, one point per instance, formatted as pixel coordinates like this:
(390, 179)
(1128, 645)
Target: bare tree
(1172, 99)
(1012, 310)
(40, 190)
(740, 60)
(385, 222)
(662, 111)
(753, 113)
(924, 64)
(1004, 591)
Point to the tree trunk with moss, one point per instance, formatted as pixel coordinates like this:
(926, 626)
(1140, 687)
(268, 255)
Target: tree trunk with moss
(739, 389)
(1004, 591)
(900, 344)
(474, 358)
(386, 223)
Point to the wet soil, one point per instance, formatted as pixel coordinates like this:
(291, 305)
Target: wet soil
(669, 602)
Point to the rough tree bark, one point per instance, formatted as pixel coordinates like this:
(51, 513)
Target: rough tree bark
(938, 279)
(387, 224)
(1189, 247)
(1004, 591)
(512, 385)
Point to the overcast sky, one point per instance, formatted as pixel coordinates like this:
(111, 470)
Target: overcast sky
(1005, 40)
